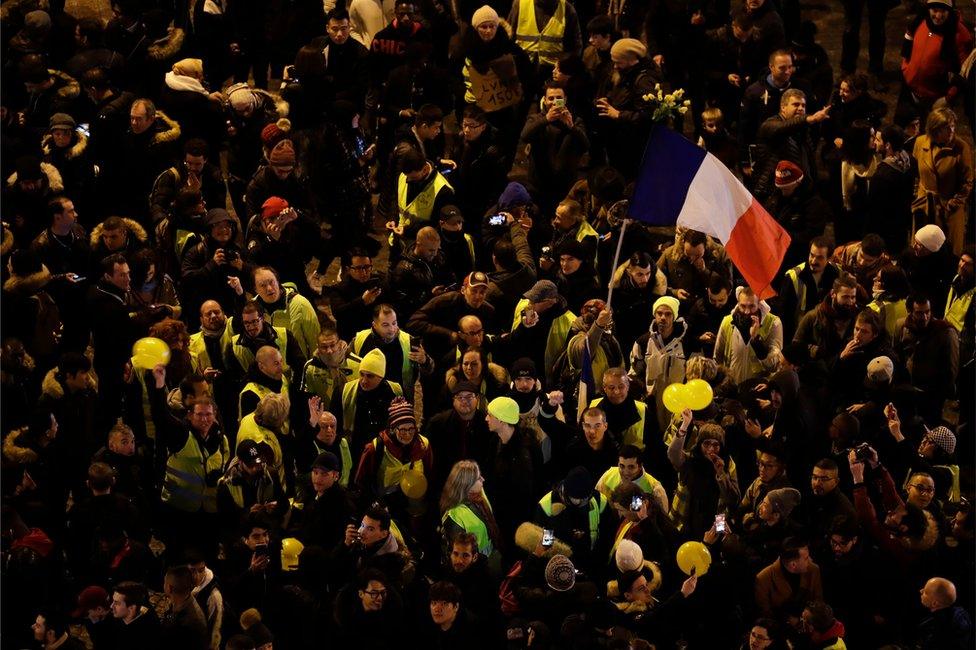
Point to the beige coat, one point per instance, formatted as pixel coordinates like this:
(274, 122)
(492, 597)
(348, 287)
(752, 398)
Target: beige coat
(945, 183)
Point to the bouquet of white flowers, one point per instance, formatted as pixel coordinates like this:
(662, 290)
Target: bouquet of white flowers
(667, 107)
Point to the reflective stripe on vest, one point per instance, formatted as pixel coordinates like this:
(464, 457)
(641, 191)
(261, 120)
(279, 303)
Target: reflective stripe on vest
(422, 206)
(185, 483)
(634, 434)
(470, 522)
(957, 306)
(596, 509)
(184, 239)
(406, 366)
(245, 357)
(544, 46)
(349, 392)
(558, 332)
(260, 390)
(890, 312)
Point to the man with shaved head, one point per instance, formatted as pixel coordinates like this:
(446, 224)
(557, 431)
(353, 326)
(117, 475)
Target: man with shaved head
(948, 627)
(267, 375)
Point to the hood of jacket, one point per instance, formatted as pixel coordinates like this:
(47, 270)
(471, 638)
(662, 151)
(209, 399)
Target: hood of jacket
(54, 181)
(74, 151)
(27, 285)
(53, 388)
(131, 225)
(183, 83)
(16, 451)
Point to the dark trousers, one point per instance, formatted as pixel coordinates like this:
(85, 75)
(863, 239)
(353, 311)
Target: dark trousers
(851, 41)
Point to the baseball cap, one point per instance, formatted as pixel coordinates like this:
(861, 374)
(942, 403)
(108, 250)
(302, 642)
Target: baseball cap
(249, 453)
(477, 279)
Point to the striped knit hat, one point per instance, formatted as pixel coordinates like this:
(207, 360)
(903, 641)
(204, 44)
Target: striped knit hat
(401, 412)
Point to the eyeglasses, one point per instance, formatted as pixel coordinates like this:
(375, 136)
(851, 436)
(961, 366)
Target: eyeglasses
(406, 430)
(378, 593)
(361, 268)
(252, 322)
(466, 397)
(820, 478)
(924, 489)
(765, 465)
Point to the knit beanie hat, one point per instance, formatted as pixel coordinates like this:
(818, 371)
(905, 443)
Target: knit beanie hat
(788, 173)
(930, 237)
(505, 409)
(61, 121)
(273, 133)
(560, 573)
(273, 206)
(578, 484)
(242, 98)
(629, 556)
(628, 47)
(254, 628)
(37, 23)
(283, 154)
(524, 368)
(943, 439)
(667, 301)
(784, 500)
(514, 195)
(401, 412)
(374, 362)
(484, 15)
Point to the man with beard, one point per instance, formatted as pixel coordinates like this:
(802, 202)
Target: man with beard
(929, 264)
(257, 333)
(351, 299)
(658, 357)
(592, 329)
(329, 368)
(868, 341)
(750, 338)
(806, 285)
(706, 316)
(457, 433)
(930, 349)
(635, 294)
(826, 329)
(825, 502)
(405, 357)
(863, 260)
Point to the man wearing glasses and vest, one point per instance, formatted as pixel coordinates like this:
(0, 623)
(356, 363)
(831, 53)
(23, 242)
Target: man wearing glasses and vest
(545, 29)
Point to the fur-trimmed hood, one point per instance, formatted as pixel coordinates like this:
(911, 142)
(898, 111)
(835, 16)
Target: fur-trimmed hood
(928, 538)
(27, 285)
(613, 588)
(166, 129)
(497, 372)
(16, 451)
(68, 87)
(74, 151)
(168, 46)
(54, 181)
(131, 225)
(7, 241)
(54, 389)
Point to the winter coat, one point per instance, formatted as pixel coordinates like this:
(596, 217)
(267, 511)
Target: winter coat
(945, 173)
(30, 313)
(136, 161)
(26, 212)
(775, 596)
(888, 201)
(927, 64)
(75, 163)
(779, 139)
(136, 239)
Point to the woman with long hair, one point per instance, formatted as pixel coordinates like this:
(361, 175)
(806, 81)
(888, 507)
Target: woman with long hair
(464, 507)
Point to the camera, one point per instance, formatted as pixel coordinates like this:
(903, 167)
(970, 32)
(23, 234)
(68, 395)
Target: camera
(861, 452)
(231, 255)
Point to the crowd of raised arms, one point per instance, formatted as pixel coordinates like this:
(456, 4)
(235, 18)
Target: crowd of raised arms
(306, 340)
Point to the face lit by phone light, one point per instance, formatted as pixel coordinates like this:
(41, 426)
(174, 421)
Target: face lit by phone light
(257, 537)
(553, 94)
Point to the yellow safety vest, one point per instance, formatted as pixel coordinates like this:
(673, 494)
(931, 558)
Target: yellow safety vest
(349, 392)
(470, 522)
(317, 380)
(183, 240)
(799, 288)
(558, 332)
(298, 317)
(260, 390)
(611, 479)
(957, 306)
(422, 206)
(345, 457)
(634, 434)
(726, 330)
(236, 492)
(406, 366)
(890, 313)
(185, 484)
(198, 348)
(544, 46)
(249, 429)
(596, 509)
(245, 357)
(390, 469)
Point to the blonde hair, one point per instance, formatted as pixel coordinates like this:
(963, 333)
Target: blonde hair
(459, 482)
(700, 367)
(713, 113)
(939, 119)
(272, 410)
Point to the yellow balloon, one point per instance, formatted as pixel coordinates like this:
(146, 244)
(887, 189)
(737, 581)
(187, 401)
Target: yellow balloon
(149, 352)
(698, 394)
(694, 555)
(291, 548)
(414, 484)
(675, 398)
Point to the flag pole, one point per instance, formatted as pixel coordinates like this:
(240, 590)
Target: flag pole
(616, 259)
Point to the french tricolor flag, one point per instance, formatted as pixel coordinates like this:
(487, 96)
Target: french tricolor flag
(682, 184)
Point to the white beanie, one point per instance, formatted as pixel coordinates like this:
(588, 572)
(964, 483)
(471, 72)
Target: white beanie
(930, 237)
(629, 556)
(484, 15)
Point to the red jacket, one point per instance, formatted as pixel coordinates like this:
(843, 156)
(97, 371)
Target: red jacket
(924, 70)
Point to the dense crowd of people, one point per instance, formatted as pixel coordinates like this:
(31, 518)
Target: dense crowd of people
(211, 440)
